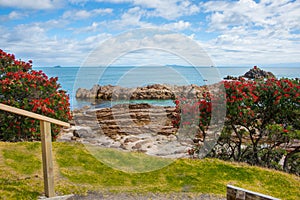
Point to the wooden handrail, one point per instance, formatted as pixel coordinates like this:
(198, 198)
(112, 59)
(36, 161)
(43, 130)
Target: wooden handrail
(33, 115)
(45, 126)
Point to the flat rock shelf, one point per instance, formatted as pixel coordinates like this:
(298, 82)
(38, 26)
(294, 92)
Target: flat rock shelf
(137, 127)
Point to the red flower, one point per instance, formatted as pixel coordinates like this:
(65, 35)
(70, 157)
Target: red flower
(186, 123)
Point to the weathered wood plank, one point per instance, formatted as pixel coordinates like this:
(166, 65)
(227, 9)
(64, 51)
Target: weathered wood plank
(47, 158)
(32, 115)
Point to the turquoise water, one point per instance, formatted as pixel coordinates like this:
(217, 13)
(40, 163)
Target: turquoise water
(71, 78)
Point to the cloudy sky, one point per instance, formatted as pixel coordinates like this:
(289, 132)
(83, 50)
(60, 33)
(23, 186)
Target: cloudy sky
(233, 33)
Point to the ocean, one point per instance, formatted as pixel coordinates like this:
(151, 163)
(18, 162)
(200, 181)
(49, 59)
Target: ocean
(71, 78)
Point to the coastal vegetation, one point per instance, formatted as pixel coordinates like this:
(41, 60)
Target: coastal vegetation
(23, 87)
(262, 124)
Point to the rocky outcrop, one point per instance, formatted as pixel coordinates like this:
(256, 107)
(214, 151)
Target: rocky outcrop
(254, 73)
(257, 73)
(156, 91)
(83, 93)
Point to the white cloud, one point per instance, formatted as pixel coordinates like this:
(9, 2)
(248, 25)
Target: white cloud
(135, 18)
(226, 14)
(32, 4)
(31, 33)
(264, 32)
(93, 41)
(13, 15)
(53, 23)
(83, 14)
(31, 42)
(78, 1)
(179, 26)
(102, 11)
(88, 29)
(233, 48)
(132, 18)
(80, 14)
(168, 9)
(137, 46)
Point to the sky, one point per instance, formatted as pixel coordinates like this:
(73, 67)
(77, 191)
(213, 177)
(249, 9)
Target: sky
(232, 33)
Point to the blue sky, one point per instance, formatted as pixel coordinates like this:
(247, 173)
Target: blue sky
(233, 33)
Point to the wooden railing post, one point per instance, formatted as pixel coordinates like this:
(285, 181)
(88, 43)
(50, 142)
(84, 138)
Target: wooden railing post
(47, 158)
(45, 126)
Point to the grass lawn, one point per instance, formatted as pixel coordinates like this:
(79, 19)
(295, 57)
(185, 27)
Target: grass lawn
(77, 171)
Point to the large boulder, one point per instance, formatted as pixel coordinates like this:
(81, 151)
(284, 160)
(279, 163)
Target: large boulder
(83, 93)
(257, 73)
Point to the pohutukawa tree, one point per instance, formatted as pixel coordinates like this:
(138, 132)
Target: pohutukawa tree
(25, 88)
(262, 122)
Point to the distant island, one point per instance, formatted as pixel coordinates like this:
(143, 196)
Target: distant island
(57, 66)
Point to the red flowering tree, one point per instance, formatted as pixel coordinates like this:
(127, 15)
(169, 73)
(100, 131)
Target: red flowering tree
(24, 88)
(193, 118)
(262, 122)
(255, 111)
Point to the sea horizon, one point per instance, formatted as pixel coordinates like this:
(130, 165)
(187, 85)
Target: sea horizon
(72, 78)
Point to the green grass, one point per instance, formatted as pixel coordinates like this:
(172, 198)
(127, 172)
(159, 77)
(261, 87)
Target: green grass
(134, 162)
(78, 171)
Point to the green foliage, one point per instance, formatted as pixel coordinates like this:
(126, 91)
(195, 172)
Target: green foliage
(24, 88)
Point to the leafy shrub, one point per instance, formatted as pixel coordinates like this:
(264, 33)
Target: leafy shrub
(262, 122)
(24, 88)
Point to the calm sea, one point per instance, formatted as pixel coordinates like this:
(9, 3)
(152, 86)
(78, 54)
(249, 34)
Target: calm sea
(71, 78)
